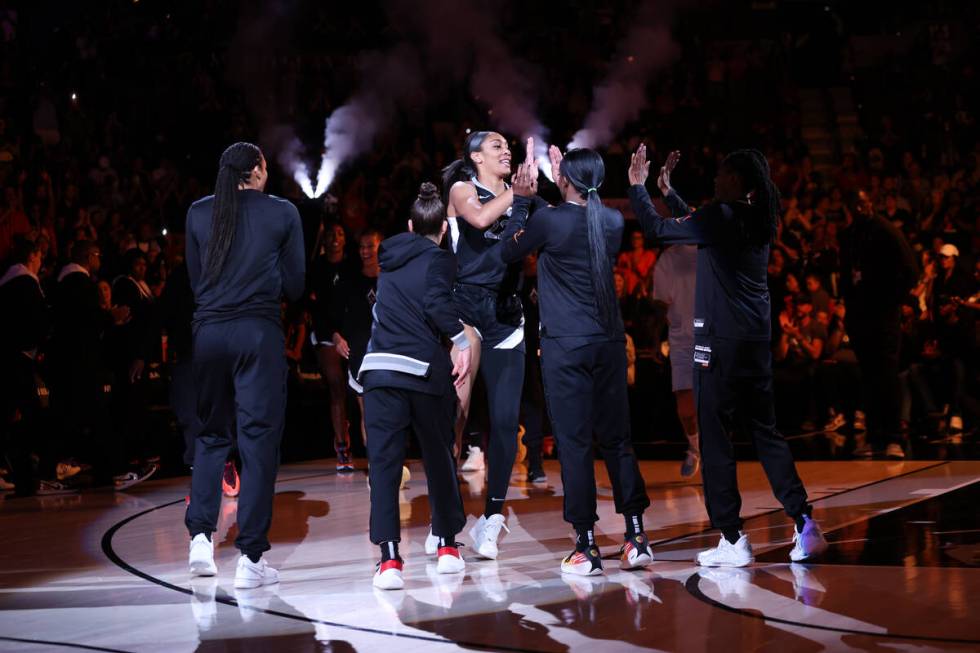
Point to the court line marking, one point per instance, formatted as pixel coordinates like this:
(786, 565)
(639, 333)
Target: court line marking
(43, 642)
(113, 557)
(693, 588)
(110, 553)
(816, 499)
(693, 584)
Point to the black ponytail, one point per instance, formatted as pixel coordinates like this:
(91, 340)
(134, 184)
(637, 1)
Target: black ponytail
(753, 170)
(462, 169)
(234, 168)
(584, 169)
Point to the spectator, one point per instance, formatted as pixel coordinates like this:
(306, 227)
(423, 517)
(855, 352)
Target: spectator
(636, 264)
(22, 333)
(877, 272)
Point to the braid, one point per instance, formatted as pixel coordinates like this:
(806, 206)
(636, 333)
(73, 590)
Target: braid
(234, 168)
(753, 169)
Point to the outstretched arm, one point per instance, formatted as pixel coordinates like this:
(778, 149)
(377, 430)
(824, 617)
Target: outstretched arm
(691, 229)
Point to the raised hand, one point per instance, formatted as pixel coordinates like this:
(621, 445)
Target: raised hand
(555, 155)
(663, 180)
(639, 166)
(524, 183)
(529, 159)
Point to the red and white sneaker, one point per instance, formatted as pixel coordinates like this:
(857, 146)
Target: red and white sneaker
(450, 560)
(389, 575)
(636, 552)
(230, 482)
(582, 563)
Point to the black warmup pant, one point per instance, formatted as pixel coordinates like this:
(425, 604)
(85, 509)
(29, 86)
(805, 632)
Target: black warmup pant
(240, 377)
(735, 390)
(80, 405)
(390, 414)
(503, 374)
(130, 416)
(585, 390)
(21, 430)
(876, 341)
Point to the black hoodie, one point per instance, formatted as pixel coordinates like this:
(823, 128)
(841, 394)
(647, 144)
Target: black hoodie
(412, 311)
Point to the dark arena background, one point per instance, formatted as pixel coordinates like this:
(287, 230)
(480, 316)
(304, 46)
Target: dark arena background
(113, 118)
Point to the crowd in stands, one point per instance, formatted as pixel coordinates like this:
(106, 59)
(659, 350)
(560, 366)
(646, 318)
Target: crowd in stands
(110, 127)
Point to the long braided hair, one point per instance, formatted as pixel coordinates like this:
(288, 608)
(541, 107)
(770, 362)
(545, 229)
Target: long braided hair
(584, 169)
(752, 168)
(234, 168)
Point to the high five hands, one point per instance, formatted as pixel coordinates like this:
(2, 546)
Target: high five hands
(525, 180)
(640, 169)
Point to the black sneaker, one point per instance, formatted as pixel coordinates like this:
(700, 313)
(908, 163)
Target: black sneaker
(583, 563)
(135, 477)
(345, 463)
(49, 488)
(636, 552)
(537, 476)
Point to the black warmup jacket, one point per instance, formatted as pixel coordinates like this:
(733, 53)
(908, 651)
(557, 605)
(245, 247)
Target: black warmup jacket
(266, 261)
(412, 311)
(731, 297)
(565, 286)
(79, 322)
(878, 268)
(25, 326)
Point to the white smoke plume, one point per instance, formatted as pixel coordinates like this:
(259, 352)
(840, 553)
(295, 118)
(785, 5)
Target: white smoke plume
(389, 80)
(506, 85)
(647, 49)
(264, 33)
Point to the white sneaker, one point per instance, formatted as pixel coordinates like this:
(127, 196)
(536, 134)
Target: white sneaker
(727, 554)
(389, 575)
(201, 558)
(254, 574)
(474, 460)
(485, 534)
(431, 544)
(808, 544)
(450, 561)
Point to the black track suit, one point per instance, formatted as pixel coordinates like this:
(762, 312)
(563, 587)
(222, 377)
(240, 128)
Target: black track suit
(239, 358)
(583, 365)
(732, 356)
(407, 379)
